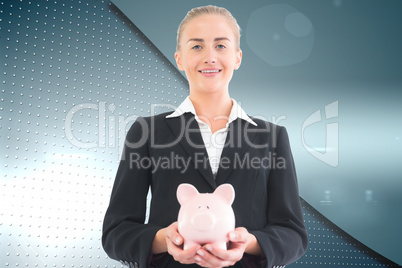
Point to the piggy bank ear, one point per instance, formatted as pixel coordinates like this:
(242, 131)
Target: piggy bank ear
(185, 192)
(227, 192)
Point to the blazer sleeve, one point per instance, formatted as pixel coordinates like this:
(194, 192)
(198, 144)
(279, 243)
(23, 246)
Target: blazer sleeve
(284, 238)
(125, 236)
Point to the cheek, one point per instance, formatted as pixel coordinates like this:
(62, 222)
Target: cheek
(230, 63)
(230, 67)
(189, 62)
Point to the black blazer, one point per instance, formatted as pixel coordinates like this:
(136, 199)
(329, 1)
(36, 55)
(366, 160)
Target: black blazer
(256, 160)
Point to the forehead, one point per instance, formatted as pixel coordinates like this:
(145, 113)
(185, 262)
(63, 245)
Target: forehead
(208, 25)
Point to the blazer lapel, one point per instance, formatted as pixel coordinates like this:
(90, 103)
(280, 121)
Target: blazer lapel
(235, 148)
(186, 127)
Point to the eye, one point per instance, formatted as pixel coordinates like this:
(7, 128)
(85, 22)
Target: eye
(197, 47)
(207, 207)
(199, 207)
(220, 46)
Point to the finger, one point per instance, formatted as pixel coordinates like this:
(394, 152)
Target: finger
(221, 253)
(216, 257)
(178, 240)
(183, 256)
(173, 234)
(206, 259)
(212, 262)
(239, 235)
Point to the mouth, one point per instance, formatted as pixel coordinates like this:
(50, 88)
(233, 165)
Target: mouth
(210, 71)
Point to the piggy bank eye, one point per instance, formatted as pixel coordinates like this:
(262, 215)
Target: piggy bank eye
(207, 207)
(199, 206)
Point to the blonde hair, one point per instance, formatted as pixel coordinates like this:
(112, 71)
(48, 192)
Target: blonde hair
(209, 10)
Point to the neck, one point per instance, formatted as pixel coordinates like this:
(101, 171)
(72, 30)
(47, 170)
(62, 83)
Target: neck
(211, 104)
(212, 108)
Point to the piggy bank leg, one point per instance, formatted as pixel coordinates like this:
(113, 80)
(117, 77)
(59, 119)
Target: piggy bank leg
(189, 244)
(221, 245)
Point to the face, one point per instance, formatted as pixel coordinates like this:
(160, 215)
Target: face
(208, 53)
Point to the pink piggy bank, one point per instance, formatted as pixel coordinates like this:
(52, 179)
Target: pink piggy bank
(205, 218)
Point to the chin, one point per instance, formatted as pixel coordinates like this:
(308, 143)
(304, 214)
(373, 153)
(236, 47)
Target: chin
(212, 90)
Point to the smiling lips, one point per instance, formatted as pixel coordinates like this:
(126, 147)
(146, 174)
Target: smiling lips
(210, 72)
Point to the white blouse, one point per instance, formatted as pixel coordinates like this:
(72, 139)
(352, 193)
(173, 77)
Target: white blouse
(214, 142)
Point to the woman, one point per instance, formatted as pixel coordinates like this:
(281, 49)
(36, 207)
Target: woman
(209, 140)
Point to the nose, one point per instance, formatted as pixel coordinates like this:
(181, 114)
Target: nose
(210, 56)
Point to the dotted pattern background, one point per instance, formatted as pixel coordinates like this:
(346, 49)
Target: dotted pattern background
(329, 246)
(75, 75)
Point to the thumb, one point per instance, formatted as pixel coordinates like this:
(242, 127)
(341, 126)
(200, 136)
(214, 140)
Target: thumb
(178, 240)
(237, 236)
(233, 236)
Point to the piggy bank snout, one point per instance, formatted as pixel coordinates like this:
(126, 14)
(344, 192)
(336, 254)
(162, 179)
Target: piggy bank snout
(203, 221)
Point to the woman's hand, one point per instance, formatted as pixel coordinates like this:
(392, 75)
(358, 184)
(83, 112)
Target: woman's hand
(168, 239)
(240, 241)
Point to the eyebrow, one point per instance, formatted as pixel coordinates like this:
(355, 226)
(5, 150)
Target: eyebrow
(202, 40)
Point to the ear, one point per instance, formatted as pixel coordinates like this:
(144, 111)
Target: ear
(185, 192)
(177, 57)
(239, 55)
(227, 192)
